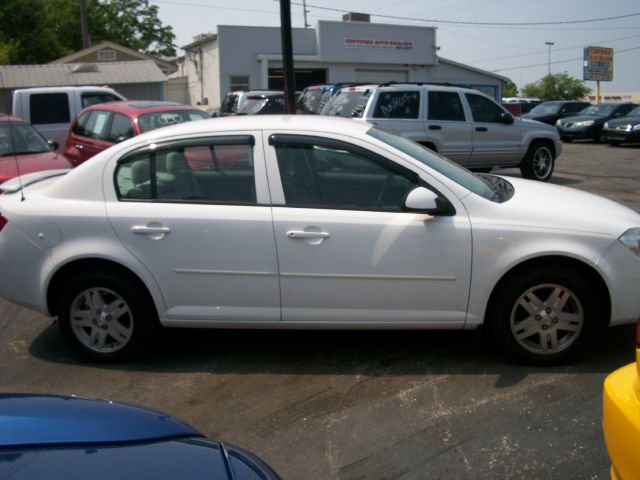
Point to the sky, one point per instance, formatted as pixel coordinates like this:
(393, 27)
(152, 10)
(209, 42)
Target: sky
(519, 52)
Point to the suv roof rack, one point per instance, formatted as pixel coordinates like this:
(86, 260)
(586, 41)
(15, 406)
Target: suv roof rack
(420, 84)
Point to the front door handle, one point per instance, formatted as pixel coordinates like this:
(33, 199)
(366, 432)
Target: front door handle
(435, 127)
(78, 146)
(303, 234)
(481, 129)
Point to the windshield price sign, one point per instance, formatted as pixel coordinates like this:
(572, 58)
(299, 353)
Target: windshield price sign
(598, 64)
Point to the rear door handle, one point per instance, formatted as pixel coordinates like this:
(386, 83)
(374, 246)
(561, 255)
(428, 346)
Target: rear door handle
(303, 234)
(154, 230)
(481, 129)
(79, 147)
(435, 127)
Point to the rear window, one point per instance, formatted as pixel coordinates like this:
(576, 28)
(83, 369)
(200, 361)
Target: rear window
(398, 104)
(259, 105)
(151, 121)
(349, 103)
(313, 101)
(49, 108)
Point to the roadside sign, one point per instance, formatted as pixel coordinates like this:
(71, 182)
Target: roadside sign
(598, 64)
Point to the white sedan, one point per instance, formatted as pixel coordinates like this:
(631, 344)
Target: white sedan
(311, 222)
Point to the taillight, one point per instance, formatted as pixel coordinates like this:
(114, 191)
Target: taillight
(3, 221)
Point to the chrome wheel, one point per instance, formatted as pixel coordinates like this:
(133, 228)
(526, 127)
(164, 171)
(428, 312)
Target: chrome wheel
(547, 319)
(542, 163)
(101, 320)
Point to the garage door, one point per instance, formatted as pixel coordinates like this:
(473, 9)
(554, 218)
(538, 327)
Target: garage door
(381, 76)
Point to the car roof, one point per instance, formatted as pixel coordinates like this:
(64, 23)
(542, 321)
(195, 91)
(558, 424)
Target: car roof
(85, 88)
(38, 420)
(135, 108)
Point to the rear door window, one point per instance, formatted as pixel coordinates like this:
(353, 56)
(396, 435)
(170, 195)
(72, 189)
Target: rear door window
(97, 126)
(49, 108)
(445, 106)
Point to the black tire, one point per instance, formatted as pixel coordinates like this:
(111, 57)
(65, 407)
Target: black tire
(600, 137)
(539, 162)
(567, 139)
(107, 317)
(543, 316)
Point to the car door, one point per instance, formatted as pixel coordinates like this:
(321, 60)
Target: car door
(448, 126)
(495, 142)
(89, 136)
(205, 233)
(348, 254)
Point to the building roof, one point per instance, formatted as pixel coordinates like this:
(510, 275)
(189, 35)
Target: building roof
(473, 69)
(200, 39)
(164, 65)
(59, 74)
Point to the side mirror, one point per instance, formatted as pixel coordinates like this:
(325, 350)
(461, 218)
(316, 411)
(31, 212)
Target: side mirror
(421, 199)
(53, 145)
(505, 118)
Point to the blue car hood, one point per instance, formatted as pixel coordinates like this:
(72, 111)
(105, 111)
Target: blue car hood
(39, 420)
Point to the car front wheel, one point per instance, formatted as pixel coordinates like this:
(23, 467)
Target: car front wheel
(538, 163)
(544, 316)
(107, 317)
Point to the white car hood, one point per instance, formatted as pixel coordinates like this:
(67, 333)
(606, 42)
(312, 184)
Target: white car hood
(547, 206)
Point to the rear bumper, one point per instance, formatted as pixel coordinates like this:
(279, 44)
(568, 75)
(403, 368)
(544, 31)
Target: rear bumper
(621, 421)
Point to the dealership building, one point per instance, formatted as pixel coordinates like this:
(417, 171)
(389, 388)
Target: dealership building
(354, 50)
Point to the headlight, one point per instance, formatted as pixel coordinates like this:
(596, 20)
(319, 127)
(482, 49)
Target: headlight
(606, 125)
(631, 240)
(636, 127)
(558, 123)
(586, 123)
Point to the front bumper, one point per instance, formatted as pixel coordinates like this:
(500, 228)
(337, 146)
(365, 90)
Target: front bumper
(621, 421)
(632, 136)
(576, 132)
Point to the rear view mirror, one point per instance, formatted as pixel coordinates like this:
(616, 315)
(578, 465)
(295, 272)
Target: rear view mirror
(53, 145)
(506, 118)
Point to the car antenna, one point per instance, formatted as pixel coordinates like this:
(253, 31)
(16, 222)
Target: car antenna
(12, 139)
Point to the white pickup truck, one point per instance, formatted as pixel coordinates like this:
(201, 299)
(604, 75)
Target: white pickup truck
(51, 109)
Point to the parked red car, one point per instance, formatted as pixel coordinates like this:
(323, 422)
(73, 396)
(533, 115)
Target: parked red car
(98, 127)
(23, 150)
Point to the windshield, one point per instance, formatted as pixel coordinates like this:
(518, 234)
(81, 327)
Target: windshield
(313, 101)
(634, 113)
(451, 170)
(151, 121)
(262, 105)
(349, 103)
(601, 109)
(20, 139)
(545, 109)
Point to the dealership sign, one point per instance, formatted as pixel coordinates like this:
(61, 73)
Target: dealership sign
(377, 43)
(598, 64)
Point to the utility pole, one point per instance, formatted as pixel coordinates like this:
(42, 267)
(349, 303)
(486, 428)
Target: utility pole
(287, 57)
(549, 61)
(84, 26)
(304, 12)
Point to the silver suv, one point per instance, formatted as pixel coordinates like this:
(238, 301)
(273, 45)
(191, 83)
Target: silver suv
(462, 124)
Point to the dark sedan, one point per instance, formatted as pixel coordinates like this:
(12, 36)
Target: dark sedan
(625, 129)
(550, 112)
(589, 122)
(58, 437)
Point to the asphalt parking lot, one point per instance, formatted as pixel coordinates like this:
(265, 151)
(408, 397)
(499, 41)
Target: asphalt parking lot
(363, 405)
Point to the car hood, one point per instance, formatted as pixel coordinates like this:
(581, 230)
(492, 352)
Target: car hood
(547, 206)
(14, 165)
(39, 420)
(624, 121)
(582, 118)
(532, 123)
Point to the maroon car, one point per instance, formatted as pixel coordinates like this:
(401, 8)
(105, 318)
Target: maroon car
(23, 150)
(98, 127)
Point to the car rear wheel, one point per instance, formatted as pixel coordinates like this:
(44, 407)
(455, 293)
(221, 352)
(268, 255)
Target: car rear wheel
(538, 163)
(543, 316)
(107, 317)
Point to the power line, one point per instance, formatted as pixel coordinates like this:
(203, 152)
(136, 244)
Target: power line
(460, 22)
(559, 61)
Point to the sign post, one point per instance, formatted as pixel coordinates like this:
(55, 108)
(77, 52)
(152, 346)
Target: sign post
(598, 66)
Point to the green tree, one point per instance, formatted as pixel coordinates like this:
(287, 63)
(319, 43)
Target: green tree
(509, 89)
(36, 31)
(557, 86)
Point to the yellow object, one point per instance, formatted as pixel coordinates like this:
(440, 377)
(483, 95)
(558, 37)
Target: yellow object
(621, 420)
